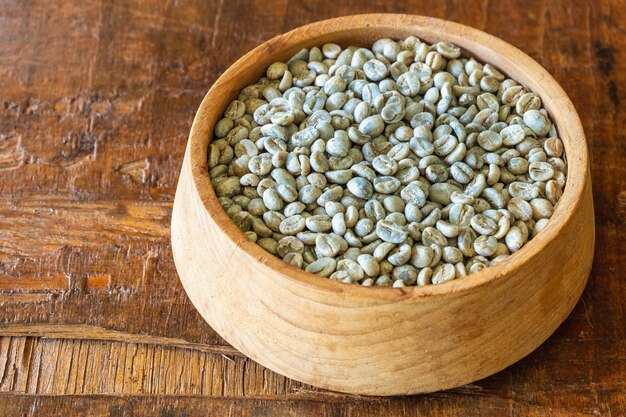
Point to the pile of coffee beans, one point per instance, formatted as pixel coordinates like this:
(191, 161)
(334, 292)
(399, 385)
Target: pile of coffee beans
(403, 164)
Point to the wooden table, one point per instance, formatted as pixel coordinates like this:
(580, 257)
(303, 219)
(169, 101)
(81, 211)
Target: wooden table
(96, 101)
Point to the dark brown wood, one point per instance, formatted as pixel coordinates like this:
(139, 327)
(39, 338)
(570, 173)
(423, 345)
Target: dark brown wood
(190, 406)
(96, 101)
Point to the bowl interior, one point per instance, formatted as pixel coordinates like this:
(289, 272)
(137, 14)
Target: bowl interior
(363, 30)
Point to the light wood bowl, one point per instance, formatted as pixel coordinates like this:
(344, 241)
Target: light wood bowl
(381, 341)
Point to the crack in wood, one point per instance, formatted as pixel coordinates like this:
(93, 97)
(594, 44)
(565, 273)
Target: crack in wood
(85, 332)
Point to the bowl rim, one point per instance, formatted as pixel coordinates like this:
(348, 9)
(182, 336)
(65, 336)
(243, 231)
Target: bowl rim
(571, 133)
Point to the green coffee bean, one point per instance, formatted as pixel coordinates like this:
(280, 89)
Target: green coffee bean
(294, 259)
(436, 173)
(483, 225)
(460, 198)
(441, 192)
(260, 228)
(372, 125)
(375, 70)
(520, 209)
(523, 190)
(328, 245)
(432, 216)
(537, 121)
(287, 192)
(354, 269)
(527, 102)
(422, 256)
(415, 193)
(489, 140)
(360, 187)
(461, 172)
(399, 255)
(452, 255)
(386, 184)
(268, 244)
(289, 244)
(364, 155)
(424, 276)
(447, 229)
(433, 237)
(443, 273)
(391, 232)
(553, 192)
(309, 193)
(319, 223)
(514, 239)
(322, 266)
(541, 208)
(404, 275)
(540, 171)
(385, 165)
(485, 245)
(229, 187)
(495, 197)
(272, 199)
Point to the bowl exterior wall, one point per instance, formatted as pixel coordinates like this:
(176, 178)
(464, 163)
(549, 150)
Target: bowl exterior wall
(358, 340)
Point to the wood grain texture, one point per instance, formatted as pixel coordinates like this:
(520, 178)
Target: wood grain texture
(95, 405)
(96, 101)
(139, 374)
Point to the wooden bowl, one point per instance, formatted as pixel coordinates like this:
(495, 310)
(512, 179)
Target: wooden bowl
(381, 341)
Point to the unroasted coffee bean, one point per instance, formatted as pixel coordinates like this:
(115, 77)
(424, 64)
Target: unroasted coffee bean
(294, 259)
(523, 190)
(400, 255)
(352, 268)
(415, 193)
(443, 273)
(292, 225)
(553, 192)
(537, 121)
(391, 232)
(406, 274)
(514, 239)
(289, 244)
(328, 245)
(542, 208)
(369, 264)
(403, 164)
(386, 184)
(540, 171)
(322, 266)
(485, 245)
(360, 187)
(441, 192)
(385, 165)
(520, 209)
(422, 256)
(319, 223)
(483, 225)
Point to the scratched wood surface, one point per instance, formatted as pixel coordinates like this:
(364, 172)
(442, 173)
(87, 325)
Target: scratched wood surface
(96, 101)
